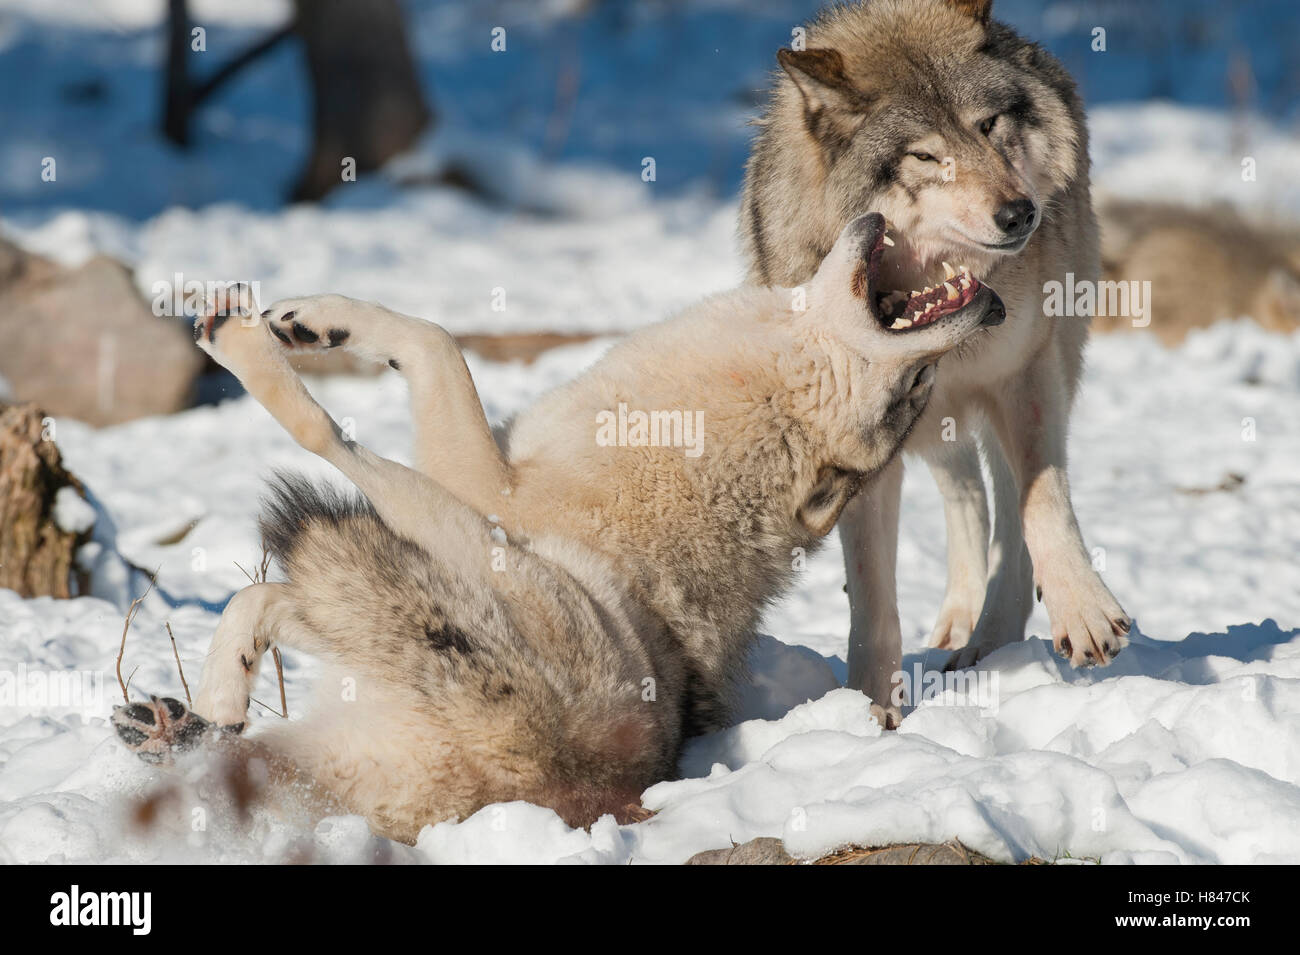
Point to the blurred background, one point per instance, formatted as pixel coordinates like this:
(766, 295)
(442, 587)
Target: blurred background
(582, 155)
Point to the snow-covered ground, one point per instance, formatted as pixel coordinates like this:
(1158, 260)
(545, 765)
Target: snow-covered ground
(1186, 749)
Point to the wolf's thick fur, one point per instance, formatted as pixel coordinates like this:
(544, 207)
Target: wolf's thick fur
(972, 143)
(548, 623)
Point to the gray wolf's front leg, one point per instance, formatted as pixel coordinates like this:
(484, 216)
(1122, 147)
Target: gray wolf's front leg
(957, 472)
(1010, 581)
(1030, 415)
(453, 442)
(869, 535)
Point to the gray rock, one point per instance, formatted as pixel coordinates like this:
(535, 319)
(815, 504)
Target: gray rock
(83, 343)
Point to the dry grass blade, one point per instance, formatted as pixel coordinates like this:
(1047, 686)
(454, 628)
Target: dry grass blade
(126, 627)
(279, 673)
(179, 668)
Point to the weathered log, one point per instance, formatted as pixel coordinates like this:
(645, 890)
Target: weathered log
(769, 851)
(36, 554)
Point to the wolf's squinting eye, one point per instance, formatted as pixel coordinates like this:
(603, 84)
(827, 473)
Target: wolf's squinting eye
(986, 125)
(924, 157)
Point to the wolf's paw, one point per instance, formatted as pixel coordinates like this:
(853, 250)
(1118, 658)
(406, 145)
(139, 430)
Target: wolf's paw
(1089, 627)
(956, 621)
(319, 321)
(156, 730)
(223, 697)
(229, 331)
(889, 717)
(232, 302)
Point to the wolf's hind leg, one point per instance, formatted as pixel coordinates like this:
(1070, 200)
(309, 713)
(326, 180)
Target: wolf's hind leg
(453, 442)
(256, 618)
(157, 729)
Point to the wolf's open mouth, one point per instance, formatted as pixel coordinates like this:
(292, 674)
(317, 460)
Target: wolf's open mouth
(902, 310)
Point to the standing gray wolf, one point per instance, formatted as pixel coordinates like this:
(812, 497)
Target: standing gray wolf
(546, 623)
(971, 141)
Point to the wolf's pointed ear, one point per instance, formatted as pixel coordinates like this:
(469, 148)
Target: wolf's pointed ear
(819, 76)
(978, 9)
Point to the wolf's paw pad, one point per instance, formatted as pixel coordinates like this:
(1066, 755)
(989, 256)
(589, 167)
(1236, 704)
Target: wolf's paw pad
(954, 626)
(306, 322)
(1088, 628)
(157, 729)
(233, 301)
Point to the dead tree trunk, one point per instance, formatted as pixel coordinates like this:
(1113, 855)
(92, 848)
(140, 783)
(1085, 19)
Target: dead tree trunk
(36, 555)
(367, 101)
(368, 106)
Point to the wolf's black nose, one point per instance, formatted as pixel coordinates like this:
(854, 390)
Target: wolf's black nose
(1017, 218)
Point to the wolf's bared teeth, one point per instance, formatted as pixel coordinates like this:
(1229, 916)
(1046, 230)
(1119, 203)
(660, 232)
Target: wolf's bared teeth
(965, 281)
(952, 291)
(901, 323)
(914, 294)
(965, 269)
(888, 241)
(948, 271)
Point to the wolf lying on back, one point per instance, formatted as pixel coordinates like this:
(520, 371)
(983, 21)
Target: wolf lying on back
(548, 625)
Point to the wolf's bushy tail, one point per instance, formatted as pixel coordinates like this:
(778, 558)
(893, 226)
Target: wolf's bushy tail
(549, 715)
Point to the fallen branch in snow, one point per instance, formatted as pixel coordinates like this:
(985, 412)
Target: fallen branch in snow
(279, 673)
(766, 850)
(126, 626)
(179, 668)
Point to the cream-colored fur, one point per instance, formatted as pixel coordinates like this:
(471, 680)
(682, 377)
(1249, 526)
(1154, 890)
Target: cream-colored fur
(547, 622)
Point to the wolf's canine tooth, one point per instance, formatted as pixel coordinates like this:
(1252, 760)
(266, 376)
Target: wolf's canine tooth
(952, 290)
(888, 241)
(948, 271)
